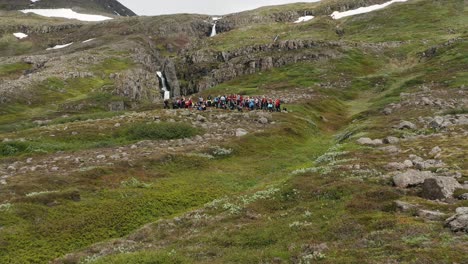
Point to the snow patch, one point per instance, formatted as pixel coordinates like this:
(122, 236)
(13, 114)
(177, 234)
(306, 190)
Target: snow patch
(59, 46)
(20, 35)
(304, 19)
(89, 40)
(216, 18)
(362, 10)
(34, 1)
(66, 13)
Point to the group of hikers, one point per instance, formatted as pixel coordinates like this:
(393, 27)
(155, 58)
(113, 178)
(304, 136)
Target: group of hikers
(231, 102)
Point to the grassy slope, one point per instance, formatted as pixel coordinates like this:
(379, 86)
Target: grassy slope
(47, 97)
(355, 217)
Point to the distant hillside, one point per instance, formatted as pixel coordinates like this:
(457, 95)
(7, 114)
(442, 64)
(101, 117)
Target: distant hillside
(96, 6)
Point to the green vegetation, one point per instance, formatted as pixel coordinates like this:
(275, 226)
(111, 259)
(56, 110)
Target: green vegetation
(121, 209)
(14, 69)
(297, 190)
(146, 258)
(112, 65)
(10, 46)
(87, 138)
(55, 97)
(160, 131)
(85, 117)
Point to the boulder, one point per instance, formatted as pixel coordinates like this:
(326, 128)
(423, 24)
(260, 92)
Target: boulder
(439, 188)
(437, 122)
(263, 120)
(427, 164)
(241, 132)
(406, 125)
(435, 151)
(368, 141)
(411, 178)
(390, 149)
(391, 140)
(404, 206)
(431, 215)
(396, 166)
(463, 196)
(408, 163)
(201, 118)
(459, 221)
(387, 111)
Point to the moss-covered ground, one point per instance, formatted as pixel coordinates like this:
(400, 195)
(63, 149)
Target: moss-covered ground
(300, 191)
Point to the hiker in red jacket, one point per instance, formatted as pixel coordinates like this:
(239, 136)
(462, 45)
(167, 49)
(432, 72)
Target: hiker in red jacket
(278, 105)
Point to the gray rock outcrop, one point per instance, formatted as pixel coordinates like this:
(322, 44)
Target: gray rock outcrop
(439, 188)
(459, 221)
(411, 178)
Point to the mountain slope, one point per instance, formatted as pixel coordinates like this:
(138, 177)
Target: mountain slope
(113, 7)
(367, 163)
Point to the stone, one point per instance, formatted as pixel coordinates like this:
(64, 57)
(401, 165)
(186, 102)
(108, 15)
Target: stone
(115, 157)
(116, 106)
(428, 164)
(100, 157)
(368, 141)
(117, 125)
(459, 221)
(437, 122)
(387, 111)
(406, 125)
(435, 151)
(427, 101)
(390, 149)
(411, 178)
(439, 188)
(201, 118)
(29, 160)
(463, 196)
(54, 169)
(431, 215)
(263, 120)
(397, 166)
(391, 140)
(241, 132)
(415, 158)
(404, 206)
(408, 163)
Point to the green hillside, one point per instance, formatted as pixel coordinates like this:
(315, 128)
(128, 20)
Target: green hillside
(365, 164)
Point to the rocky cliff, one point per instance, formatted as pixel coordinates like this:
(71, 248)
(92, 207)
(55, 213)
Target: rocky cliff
(112, 7)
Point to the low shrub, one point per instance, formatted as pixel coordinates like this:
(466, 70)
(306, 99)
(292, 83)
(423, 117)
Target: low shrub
(12, 148)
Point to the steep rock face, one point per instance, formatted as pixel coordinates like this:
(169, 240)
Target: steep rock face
(105, 6)
(38, 28)
(154, 62)
(204, 69)
(170, 73)
(234, 21)
(137, 85)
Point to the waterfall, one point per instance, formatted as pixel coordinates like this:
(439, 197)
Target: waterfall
(167, 93)
(213, 31)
